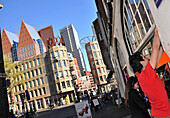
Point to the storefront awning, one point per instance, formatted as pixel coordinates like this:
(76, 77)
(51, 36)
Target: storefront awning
(163, 60)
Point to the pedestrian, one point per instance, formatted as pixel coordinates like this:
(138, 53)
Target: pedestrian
(149, 82)
(11, 114)
(135, 99)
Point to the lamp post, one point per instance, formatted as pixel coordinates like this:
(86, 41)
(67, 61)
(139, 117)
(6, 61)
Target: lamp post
(4, 106)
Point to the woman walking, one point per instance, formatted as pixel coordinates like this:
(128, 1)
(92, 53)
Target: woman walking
(135, 99)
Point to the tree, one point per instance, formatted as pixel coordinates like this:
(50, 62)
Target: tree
(13, 74)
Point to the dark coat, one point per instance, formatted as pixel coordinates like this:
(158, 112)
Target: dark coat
(138, 105)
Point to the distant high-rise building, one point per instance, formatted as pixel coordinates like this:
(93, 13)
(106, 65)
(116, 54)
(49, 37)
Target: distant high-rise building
(30, 43)
(69, 34)
(10, 44)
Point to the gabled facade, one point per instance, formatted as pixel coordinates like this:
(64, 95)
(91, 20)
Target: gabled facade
(6, 44)
(9, 45)
(30, 43)
(47, 35)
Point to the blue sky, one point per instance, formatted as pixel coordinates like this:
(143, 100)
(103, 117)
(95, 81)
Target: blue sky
(42, 13)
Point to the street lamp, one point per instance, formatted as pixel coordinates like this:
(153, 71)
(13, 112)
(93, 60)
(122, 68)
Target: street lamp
(4, 106)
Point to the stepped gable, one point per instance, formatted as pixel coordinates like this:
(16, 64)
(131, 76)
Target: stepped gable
(27, 34)
(6, 43)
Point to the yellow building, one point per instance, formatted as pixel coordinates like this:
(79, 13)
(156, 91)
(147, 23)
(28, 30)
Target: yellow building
(46, 79)
(97, 66)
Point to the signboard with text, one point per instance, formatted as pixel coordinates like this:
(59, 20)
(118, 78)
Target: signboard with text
(83, 110)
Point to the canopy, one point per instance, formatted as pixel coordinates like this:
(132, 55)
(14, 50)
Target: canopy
(163, 60)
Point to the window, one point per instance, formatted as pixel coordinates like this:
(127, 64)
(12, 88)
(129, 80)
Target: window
(101, 79)
(42, 81)
(96, 45)
(33, 81)
(26, 86)
(56, 53)
(65, 73)
(94, 54)
(64, 63)
(93, 63)
(28, 54)
(34, 62)
(98, 53)
(67, 63)
(68, 83)
(33, 52)
(91, 55)
(61, 74)
(29, 84)
(54, 64)
(24, 76)
(38, 82)
(16, 98)
(35, 93)
(98, 70)
(92, 46)
(32, 73)
(32, 46)
(105, 77)
(31, 94)
(43, 89)
(19, 87)
(39, 91)
(15, 90)
(138, 20)
(102, 70)
(26, 48)
(89, 47)
(36, 72)
(40, 71)
(23, 67)
(150, 50)
(56, 75)
(28, 74)
(100, 61)
(59, 64)
(146, 52)
(31, 64)
(97, 79)
(65, 54)
(96, 61)
(52, 55)
(27, 65)
(38, 61)
(58, 84)
(61, 53)
(63, 85)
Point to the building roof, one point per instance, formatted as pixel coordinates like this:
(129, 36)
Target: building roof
(12, 37)
(32, 31)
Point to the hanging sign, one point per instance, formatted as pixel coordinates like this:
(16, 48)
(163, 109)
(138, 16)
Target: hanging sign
(157, 2)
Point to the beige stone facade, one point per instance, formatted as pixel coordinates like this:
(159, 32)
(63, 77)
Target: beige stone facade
(97, 66)
(45, 79)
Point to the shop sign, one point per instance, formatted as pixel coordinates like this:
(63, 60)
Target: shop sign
(157, 2)
(83, 110)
